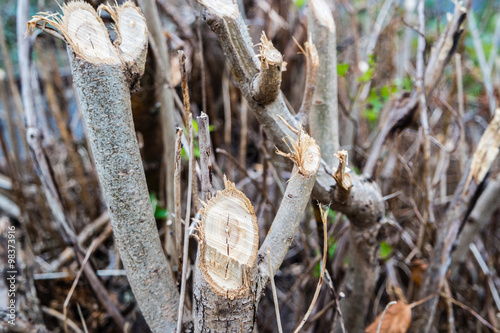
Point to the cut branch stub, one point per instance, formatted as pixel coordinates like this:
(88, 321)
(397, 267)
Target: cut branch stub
(265, 86)
(342, 178)
(132, 32)
(86, 35)
(83, 30)
(229, 242)
(304, 151)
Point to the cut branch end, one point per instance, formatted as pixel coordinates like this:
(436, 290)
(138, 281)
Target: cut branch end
(83, 30)
(304, 152)
(342, 178)
(229, 242)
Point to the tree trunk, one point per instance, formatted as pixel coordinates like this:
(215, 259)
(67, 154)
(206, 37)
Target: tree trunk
(103, 75)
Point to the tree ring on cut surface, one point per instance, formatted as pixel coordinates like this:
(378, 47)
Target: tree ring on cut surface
(229, 241)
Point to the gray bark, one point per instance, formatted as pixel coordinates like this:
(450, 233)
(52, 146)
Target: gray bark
(103, 80)
(323, 117)
(105, 100)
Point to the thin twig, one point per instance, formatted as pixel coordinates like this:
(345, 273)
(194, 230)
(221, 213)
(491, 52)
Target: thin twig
(481, 58)
(202, 68)
(184, 83)
(300, 281)
(81, 318)
(185, 252)
(61, 317)
(472, 312)
(486, 272)
(323, 267)
(275, 296)
(177, 190)
(226, 98)
(205, 156)
(244, 131)
(187, 111)
(91, 229)
(461, 111)
(449, 308)
(75, 282)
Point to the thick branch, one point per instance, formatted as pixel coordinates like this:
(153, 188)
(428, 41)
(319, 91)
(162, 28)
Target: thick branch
(224, 275)
(224, 18)
(312, 64)
(306, 156)
(102, 81)
(323, 118)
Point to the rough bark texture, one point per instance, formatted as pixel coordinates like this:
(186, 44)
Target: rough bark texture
(287, 221)
(103, 81)
(215, 313)
(105, 100)
(323, 117)
(225, 20)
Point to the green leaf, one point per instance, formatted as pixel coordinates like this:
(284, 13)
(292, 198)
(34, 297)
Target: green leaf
(371, 115)
(385, 250)
(332, 214)
(367, 76)
(385, 92)
(300, 3)
(331, 250)
(195, 126)
(317, 270)
(342, 69)
(184, 155)
(154, 200)
(355, 169)
(161, 213)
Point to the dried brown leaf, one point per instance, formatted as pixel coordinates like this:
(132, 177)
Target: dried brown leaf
(397, 319)
(417, 271)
